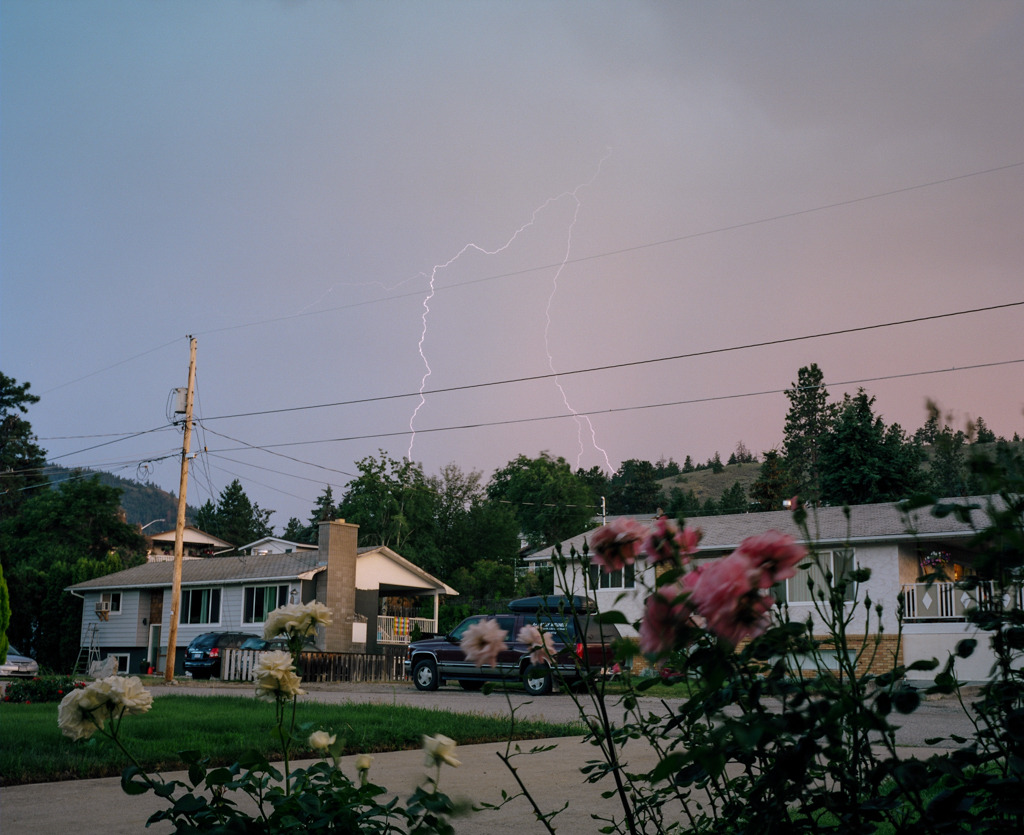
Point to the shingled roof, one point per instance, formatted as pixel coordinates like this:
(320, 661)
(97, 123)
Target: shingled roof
(827, 525)
(210, 571)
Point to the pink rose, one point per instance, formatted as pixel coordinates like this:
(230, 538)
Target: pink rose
(482, 643)
(617, 544)
(666, 542)
(541, 644)
(727, 594)
(665, 612)
(776, 555)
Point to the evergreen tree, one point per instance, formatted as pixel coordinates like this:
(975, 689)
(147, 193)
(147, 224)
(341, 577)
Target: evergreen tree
(773, 484)
(22, 460)
(715, 464)
(982, 434)
(947, 473)
(808, 423)
(235, 518)
(862, 461)
(688, 464)
(682, 504)
(734, 500)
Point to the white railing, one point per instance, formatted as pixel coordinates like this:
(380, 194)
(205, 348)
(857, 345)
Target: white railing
(393, 629)
(950, 601)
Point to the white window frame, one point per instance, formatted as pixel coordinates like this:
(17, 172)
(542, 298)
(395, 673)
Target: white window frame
(618, 579)
(848, 555)
(211, 593)
(113, 601)
(250, 594)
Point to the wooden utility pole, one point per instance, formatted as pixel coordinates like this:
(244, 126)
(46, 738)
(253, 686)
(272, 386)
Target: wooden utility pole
(179, 528)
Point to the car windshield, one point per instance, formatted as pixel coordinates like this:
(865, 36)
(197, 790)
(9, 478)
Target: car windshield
(13, 650)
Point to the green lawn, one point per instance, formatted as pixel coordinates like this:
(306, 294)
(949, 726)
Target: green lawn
(33, 750)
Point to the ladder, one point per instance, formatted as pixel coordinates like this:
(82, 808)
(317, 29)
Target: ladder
(88, 653)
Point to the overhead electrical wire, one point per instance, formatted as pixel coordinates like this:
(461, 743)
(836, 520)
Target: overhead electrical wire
(620, 365)
(614, 410)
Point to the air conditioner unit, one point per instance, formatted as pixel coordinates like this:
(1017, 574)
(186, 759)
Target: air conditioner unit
(103, 606)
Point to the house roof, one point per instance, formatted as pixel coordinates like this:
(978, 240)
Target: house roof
(266, 540)
(827, 525)
(212, 570)
(193, 536)
(246, 568)
(398, 559)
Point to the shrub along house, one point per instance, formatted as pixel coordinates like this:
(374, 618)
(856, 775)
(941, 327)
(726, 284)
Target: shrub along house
(897, 550)
(125, 614)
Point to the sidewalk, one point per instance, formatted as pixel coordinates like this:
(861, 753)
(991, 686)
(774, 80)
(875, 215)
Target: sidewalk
(100, 806)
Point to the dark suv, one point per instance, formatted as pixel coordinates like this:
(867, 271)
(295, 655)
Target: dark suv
(582, 647)
(203, 656)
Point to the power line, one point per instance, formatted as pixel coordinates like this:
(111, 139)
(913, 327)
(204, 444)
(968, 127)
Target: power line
(638, 247)
(620, 365)
(717, 398)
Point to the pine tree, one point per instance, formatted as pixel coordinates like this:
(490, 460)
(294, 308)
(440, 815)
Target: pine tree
(808, 423)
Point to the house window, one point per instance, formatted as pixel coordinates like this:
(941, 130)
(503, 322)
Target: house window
(260, 601)
(200, 606)
(110, 601)
(622, 578)
(810, 580)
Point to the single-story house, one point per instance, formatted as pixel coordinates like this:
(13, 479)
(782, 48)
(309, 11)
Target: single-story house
(371, 593)
(897, 550)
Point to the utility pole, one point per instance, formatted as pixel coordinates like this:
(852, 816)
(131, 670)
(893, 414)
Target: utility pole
(179, 528)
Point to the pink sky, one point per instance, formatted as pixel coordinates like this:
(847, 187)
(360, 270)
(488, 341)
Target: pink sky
(624, 182)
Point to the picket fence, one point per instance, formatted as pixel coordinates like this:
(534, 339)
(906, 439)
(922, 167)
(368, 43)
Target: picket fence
(238, 665)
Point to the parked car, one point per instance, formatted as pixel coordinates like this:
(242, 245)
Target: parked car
(18, 664)
(582, 648)
(263, 645)
(203, 655)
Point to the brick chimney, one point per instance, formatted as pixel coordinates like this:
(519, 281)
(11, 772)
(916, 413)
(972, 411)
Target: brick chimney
(338, 547)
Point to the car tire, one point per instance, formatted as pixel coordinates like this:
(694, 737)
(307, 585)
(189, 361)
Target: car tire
(424, 675)
(470, 684)
(200, 675)
(537, 680)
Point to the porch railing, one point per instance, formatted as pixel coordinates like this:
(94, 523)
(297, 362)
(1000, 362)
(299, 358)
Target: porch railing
(950, 601)
(393, 629)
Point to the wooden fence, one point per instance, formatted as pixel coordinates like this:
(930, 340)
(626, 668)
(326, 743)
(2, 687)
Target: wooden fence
(238, 665)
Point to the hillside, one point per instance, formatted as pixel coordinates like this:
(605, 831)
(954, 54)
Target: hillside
(708, 484)
(142, 503)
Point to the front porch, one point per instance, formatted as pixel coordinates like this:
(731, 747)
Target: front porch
(933, 602)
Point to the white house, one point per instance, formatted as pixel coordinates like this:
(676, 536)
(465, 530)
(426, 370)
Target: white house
(195, 544)
(275, 545)
(371, 593)
(878, 537)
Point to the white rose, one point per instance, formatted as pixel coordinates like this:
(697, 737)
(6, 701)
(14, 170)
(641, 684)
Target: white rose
(440, 749)
(321, 740)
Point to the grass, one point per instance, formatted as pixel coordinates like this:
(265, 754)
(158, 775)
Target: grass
(33, 750)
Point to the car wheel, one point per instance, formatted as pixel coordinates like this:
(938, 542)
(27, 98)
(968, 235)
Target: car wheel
(200, 674)
(470, 684)
(537, 679)
(424, 675)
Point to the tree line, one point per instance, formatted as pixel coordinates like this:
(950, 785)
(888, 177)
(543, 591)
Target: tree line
(465, 530)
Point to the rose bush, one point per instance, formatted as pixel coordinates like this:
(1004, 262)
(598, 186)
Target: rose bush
(778, 728)
(320, 798)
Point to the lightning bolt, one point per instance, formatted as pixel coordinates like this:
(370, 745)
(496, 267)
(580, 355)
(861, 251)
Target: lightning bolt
(472, 247)
(580, 419)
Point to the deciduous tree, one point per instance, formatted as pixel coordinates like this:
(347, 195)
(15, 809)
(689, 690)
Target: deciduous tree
(550, 502)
